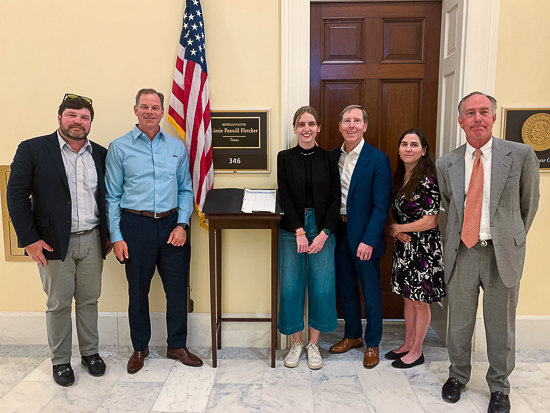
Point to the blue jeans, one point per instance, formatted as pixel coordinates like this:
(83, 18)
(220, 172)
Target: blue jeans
(316, 271)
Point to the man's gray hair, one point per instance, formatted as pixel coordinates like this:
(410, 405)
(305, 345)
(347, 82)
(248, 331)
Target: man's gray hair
(491, 99)
(150, 92)
(351, 107)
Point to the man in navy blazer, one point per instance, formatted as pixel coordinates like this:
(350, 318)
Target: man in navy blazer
(365, 175)
(56, 200)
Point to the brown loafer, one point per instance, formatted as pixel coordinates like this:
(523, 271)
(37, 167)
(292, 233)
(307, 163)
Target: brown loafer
(346, 344)
(372, 358)
(135, 363)
(184, 355)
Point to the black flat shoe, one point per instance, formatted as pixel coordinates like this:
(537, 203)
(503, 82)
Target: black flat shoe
(63, 374)
(398, 364)
(94, 364)
(392, 355)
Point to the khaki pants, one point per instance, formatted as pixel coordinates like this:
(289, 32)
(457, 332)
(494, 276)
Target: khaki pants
(79, 276)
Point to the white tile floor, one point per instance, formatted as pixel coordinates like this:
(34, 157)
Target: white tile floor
(244, 382)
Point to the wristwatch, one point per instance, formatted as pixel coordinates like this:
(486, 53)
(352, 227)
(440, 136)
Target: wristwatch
(327, 231)
(183, 225)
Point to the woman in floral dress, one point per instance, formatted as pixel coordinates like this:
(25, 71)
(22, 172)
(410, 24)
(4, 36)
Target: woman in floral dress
(417, 272)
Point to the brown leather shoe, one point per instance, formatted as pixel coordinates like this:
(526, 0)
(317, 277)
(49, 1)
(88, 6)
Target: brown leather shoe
(346, 344)
(136, 361)
(184, 355)
(372, 358)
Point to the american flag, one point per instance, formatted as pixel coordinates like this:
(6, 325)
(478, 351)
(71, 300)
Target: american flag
(189, 111)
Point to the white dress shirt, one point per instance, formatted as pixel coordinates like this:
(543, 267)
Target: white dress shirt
(469, 158)
(346, 165)
(82, 178)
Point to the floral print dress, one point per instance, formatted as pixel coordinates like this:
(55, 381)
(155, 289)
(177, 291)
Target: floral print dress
(417, 271)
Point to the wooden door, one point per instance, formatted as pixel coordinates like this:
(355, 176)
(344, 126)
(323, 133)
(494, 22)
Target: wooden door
(384, 57)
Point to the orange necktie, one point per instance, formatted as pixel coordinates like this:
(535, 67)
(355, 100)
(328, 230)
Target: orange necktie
(472, 212)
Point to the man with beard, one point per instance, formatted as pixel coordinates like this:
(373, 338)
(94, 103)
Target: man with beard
(56, 200)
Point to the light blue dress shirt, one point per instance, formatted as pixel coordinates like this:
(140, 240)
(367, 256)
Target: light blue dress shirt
(147, 176)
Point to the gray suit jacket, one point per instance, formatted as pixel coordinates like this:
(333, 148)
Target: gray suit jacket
(514, 202)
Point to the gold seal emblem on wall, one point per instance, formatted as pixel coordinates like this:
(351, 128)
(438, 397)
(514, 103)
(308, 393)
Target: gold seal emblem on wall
(536, 131)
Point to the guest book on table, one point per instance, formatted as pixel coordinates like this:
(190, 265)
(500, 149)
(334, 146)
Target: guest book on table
(236, 200)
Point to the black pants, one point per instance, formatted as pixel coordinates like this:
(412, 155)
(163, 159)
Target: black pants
(147, 247)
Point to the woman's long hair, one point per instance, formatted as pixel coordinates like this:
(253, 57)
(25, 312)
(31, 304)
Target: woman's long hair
(425, 167)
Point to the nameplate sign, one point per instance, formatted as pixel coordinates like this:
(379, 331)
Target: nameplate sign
(240, 140)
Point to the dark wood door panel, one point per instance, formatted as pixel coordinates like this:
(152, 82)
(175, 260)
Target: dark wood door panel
(343, 41)
(403, 40)
(372, 71)
(336, 95)
(400, 110)
(373, 10)
(392, 303)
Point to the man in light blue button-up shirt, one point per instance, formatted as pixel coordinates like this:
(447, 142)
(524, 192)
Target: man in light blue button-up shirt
(149, 203)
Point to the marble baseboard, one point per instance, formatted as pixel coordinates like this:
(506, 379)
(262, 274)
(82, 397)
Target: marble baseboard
(29, 328)
(532, 333)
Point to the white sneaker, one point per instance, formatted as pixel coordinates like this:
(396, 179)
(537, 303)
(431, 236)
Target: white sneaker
(314, 360)
(293, 357)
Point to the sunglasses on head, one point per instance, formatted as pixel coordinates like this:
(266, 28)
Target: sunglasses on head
(73, 96)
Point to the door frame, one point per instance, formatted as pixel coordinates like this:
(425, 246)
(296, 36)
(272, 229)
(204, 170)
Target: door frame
(478, 61)
(479, 55)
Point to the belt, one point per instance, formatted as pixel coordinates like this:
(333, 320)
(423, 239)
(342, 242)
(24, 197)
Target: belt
(344, 218)
(150, 213)
(485, 242)
(83, 232)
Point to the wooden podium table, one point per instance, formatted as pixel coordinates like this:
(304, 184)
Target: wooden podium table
(222, 208)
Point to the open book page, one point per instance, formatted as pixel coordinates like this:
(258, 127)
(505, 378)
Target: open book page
(259, 200)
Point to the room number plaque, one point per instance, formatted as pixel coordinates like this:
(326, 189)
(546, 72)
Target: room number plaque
(240, 140)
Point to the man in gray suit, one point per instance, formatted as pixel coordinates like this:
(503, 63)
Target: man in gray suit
(490, 191)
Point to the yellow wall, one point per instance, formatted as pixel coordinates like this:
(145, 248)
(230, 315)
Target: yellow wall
(108, 50)
(523, 69)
